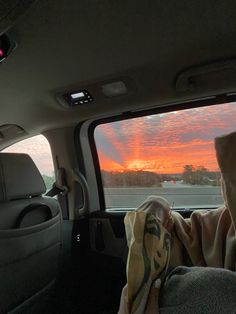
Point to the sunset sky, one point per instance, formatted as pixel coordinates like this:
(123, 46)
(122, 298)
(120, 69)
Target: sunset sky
(161, 143)
(164, 143)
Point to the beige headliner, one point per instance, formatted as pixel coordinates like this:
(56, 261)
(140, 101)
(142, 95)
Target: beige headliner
(66, 45)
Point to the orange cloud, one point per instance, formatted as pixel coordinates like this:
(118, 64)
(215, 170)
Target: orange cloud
(164, 143)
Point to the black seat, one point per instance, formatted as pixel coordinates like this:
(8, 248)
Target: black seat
(30, 233)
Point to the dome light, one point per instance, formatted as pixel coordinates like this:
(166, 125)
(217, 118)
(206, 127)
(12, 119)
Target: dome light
(6, 47)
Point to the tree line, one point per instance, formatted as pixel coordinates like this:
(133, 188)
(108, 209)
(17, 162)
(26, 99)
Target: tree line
(131, 179)
(191, 175)
(48, 181)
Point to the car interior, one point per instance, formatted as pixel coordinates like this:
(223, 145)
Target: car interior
(72, 71)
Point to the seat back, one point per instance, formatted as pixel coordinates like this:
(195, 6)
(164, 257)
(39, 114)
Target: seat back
(30, 232)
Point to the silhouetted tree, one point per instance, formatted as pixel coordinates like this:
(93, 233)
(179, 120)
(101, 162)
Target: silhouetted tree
(188, 174)
(48, 181)
(200, 175)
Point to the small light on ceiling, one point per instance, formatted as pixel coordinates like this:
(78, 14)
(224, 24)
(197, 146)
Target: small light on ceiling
(7, 45)
(114, 89)
(2, 53)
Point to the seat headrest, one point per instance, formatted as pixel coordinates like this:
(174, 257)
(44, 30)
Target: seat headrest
(19, 177)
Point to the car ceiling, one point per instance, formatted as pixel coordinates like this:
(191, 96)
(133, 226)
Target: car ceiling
(66, 45)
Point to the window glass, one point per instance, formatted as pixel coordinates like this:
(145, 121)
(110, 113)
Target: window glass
(170, 154)
(39, 150)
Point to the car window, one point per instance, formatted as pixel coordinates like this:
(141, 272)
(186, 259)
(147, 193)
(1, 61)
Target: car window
(39, 150)
(168, 154)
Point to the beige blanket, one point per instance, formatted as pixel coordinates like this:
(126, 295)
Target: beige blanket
(207, 238)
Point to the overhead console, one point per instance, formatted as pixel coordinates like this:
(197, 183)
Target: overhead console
(10, 12)
(79, 97)
(97, 92)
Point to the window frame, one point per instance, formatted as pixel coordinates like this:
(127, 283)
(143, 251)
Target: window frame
(190, 104)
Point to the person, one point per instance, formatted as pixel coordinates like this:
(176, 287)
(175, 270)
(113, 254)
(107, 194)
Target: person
(204, 290)
(178, 265)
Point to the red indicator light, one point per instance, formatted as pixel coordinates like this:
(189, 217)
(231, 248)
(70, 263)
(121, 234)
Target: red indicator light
(1, 52)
